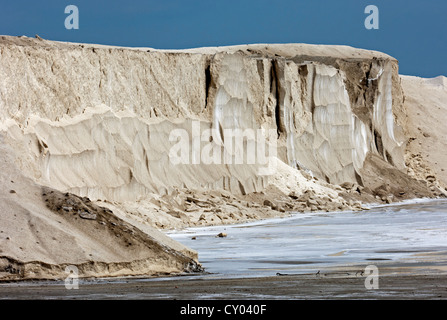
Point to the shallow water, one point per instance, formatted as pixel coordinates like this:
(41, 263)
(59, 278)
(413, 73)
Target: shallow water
(302, 243)
(306, 243)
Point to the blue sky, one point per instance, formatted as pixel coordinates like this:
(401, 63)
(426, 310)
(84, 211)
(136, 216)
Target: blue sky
(413, 31)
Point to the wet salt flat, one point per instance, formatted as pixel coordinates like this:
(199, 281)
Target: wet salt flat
(303, 243)
(306, 243)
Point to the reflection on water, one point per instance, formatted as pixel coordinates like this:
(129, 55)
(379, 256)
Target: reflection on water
(308, 242)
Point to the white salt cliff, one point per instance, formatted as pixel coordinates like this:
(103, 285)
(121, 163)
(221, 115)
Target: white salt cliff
(88, 133)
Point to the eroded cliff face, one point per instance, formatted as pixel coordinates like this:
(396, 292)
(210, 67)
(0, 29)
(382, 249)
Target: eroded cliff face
(426, 150)
(184, 138)
(97, 120)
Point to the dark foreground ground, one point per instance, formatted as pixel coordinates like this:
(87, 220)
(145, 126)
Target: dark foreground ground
(335, 285)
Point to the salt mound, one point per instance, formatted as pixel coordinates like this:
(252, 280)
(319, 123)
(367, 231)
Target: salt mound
(100, 123)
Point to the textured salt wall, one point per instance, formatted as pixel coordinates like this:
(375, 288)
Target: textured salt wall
(52, 81)
(324, 126)
(339, 140)
(334, 141)
(97, 121)
(107, 155)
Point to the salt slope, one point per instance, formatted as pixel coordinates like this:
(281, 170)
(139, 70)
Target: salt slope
(41, 234)
(96, 120)
(426, 105)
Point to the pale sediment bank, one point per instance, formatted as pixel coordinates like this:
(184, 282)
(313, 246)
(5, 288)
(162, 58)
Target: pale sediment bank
(87, 134)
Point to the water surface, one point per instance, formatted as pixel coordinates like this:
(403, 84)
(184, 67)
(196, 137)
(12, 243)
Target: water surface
(306, 243)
